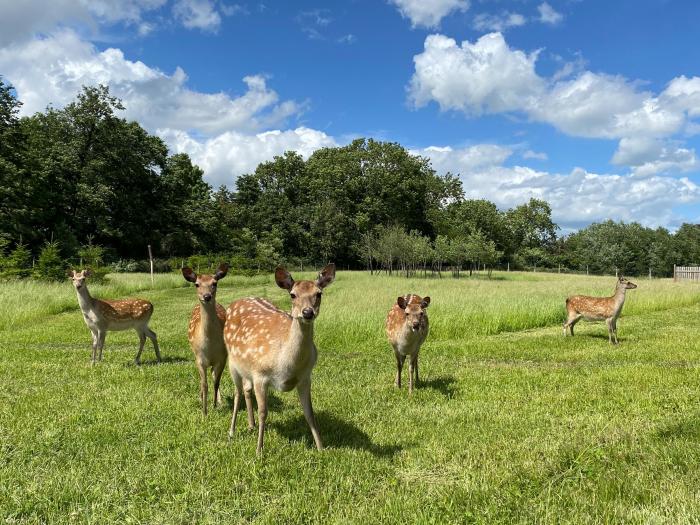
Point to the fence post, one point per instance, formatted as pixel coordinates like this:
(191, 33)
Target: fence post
(150, 256)
(650, 272)
(508, 266)
(616, 272)
(674, 273)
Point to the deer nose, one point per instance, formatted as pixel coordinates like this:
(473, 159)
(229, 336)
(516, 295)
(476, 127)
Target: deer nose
(207, 297)
(416, 326)
(308, 313)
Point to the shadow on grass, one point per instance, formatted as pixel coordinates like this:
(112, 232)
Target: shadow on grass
(443, 384)
(168, 360)
(688, 429)
(274, 404)
(335, 433)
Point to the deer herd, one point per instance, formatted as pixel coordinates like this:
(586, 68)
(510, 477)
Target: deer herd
(266, 347)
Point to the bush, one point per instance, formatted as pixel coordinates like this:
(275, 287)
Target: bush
(50, 265)
(18, 264)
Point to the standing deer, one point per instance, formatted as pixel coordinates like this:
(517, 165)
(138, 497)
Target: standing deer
(407, 327)
(103, 316)
(598, 308)
(206, 331)
(271, 348)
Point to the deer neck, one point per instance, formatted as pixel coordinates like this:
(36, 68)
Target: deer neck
(300, 338)
(209, 320)
(85, 300)
(619, 297)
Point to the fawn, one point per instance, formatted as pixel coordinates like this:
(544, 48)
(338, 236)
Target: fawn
(271, 348)
(103, 316)
(407, 327)
(206, 331)
(598, 308)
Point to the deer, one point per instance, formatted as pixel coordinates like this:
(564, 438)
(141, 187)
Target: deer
(407, 327)
(206, 332)
(598, 308)
(270, 348)
(108, 316)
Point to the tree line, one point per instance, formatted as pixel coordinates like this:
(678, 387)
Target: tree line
(80, 181)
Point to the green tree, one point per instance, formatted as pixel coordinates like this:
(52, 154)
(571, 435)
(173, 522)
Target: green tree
(50, 265)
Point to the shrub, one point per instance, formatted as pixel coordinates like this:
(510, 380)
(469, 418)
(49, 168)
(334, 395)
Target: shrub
(50, 265)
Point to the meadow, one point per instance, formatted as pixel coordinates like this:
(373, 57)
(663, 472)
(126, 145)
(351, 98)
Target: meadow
(511, 422)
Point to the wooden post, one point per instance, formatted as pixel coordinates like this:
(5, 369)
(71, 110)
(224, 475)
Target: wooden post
(559, 269)
(616, 272)
(150, 257)
(650, 272)
(508, 265)
(674, 273)
(586, 269)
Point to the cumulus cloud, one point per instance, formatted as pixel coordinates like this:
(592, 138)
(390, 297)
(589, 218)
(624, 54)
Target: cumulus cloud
(21, 20)
(487, 76)
(529, 154)
(577, 198)
(230, 154)
(197, 14)
(53, 69)
(428, 13)
(548, 15)
(500, 22)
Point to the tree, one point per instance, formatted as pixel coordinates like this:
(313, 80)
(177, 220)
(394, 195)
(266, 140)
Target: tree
(50, 265)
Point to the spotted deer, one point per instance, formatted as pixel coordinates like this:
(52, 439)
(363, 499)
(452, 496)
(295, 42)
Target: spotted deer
(206, 332)
(107, 316)
(407, 327)
(598, 308)
(271, 348)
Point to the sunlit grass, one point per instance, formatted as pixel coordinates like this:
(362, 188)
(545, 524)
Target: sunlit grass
(511, 423)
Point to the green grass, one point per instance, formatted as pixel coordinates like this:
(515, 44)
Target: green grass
(512, 422)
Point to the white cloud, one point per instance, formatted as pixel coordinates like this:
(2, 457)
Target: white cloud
(21, 20)
(487, 76)
(53, 69)
(548, 15)
(577, 198)
(484, 77)
(529, 154)
(428, 13)
(197, 14)
(501, 22)
(649, 156)
(228, 155)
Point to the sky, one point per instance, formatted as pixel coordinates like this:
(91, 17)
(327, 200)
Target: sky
(591, 105)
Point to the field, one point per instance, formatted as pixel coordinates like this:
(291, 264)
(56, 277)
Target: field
(511, 422)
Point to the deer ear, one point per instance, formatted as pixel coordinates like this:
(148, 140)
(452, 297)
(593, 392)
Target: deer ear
(87, 272)
(327, 276)
(425, 302)
(189, 275)
(222, 271)
(401, 301)
(283, 278)
(70, 273)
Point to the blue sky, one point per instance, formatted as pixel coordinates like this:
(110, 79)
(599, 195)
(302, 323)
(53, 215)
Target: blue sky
(592, 105)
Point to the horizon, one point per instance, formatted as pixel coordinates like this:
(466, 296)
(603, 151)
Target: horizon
(483, 89)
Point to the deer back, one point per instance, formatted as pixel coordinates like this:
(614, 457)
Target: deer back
(123, 311)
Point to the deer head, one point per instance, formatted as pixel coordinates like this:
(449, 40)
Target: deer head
(414, 310)
(625, 283)
(206, 283)
(78, 278)
(305, 295)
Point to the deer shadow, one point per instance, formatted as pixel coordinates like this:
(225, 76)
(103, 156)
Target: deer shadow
(335, 433)
(274, 404)
(168, 360)
(443, 384)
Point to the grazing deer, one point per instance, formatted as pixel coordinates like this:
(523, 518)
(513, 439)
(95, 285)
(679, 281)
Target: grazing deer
(271, 348)
(598, 308)
(407, 327)
(103, 316)
(206, 332)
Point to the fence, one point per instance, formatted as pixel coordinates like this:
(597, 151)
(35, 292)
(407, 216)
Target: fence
(686, 273)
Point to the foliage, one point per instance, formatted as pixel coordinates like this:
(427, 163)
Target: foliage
(50, 265)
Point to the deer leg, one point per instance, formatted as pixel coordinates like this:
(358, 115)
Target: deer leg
(304, 390)
(614, 326)
(610, 331)
(216, 376)
(94, 347)
(101, 342)
(399, 367)
(247, 392)
(154, 339)
(142, 341)
(261, 398)
(236, 402)
(203, 387)
(415, 367)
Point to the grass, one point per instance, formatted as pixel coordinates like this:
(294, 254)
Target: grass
(512, 422)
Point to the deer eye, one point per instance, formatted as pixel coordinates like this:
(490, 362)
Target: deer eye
(213, 285)
(318, 295)
(293, 295)
(196, 285)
